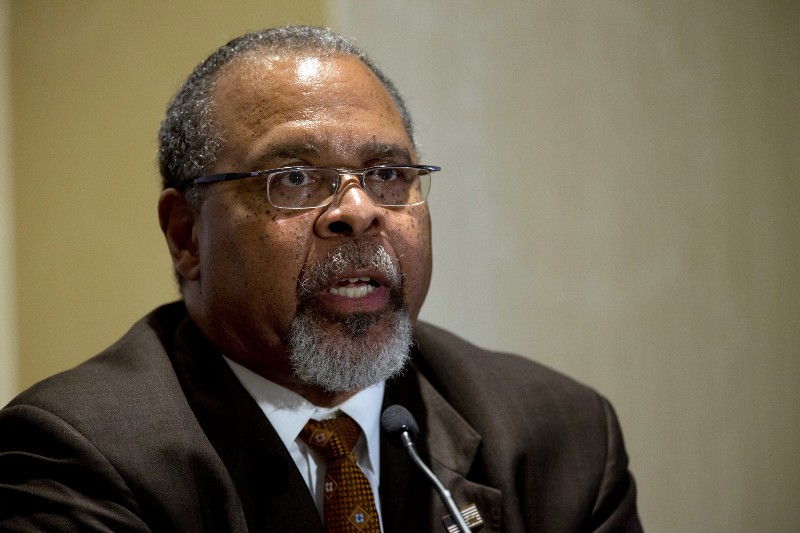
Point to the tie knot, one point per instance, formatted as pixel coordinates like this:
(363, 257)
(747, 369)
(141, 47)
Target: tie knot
(331, 438)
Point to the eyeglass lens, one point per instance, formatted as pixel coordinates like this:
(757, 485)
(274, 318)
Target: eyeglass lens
(305, 188)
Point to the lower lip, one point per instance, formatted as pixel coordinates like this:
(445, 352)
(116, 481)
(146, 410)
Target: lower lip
(377, 300)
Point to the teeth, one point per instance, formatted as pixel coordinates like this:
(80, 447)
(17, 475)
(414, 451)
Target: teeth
(356, 280)
(352, 292)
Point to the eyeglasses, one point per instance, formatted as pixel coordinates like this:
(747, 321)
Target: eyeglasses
(310, 187)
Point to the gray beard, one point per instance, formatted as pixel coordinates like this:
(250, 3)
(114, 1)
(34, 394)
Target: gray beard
(343, 363)
(339, 353)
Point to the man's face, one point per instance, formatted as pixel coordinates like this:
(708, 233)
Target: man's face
(254, 258)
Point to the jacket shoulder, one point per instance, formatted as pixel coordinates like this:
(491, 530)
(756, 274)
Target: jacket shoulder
(116, 374)
(453, 362)
(550, 443)
(129, 448)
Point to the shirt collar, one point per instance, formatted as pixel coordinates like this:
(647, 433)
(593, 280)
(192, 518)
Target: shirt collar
(288, 412)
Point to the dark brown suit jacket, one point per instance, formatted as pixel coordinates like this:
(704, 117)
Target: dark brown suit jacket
(157, 434)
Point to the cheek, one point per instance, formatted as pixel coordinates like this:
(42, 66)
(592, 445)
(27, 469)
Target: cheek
(413, 246)
(282, 238)
(283, 247)
(263, 251)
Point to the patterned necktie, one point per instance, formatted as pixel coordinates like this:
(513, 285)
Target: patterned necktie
(349, 501)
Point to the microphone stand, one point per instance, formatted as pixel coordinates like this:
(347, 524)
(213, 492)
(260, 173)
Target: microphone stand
(406, 440)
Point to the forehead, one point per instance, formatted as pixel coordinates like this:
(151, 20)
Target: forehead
(325, 103)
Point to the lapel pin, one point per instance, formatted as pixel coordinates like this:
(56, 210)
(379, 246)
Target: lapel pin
(471, 516)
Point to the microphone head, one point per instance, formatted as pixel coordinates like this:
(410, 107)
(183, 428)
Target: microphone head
(395, 420)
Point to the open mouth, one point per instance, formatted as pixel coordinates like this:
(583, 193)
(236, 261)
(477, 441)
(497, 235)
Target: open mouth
(354, 288)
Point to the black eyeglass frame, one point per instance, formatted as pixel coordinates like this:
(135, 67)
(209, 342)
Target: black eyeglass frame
(361, 173)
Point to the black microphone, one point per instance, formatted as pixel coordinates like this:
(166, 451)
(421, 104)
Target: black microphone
(402, 429)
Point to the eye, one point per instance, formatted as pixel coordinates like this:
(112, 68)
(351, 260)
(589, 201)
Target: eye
(386, 174)
(295, 178)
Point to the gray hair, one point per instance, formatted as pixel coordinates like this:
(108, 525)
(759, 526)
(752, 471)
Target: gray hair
(189, 139)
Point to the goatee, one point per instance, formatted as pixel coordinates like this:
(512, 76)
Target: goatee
(351, 352)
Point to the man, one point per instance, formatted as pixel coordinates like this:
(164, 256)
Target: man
(301, 289)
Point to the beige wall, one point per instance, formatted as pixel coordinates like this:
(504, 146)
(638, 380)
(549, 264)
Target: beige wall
(8, 331)
(620, 200)
(90, 82)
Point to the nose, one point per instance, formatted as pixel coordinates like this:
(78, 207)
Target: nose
(352, 213)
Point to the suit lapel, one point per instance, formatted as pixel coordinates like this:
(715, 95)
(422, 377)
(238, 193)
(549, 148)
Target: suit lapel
(273, 495)
(450, 446)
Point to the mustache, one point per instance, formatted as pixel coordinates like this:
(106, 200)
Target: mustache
(357, 254)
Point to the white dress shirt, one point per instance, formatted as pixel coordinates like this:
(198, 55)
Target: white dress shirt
(288, 412)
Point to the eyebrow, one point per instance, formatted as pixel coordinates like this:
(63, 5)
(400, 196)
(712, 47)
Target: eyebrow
(287, 150)
(379, 150)
(309, 149)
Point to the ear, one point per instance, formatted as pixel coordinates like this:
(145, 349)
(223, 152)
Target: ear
(178, 221)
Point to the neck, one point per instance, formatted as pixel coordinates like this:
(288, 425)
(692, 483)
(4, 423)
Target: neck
(313, 393)
(320, 397)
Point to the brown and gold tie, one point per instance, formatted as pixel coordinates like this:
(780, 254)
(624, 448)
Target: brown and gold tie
(349, 501)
